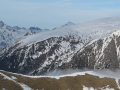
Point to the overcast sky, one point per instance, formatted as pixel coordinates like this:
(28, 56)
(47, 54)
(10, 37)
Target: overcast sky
(54, 13)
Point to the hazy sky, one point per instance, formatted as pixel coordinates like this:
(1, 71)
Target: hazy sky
(54, 13)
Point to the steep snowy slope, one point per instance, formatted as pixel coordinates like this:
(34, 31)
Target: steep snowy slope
(103, 53)
(56, 49)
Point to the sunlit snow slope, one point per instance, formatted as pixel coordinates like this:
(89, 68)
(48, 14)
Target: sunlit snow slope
(94, 29)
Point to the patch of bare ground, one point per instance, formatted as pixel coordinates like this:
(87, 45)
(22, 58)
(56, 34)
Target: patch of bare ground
(64, 83)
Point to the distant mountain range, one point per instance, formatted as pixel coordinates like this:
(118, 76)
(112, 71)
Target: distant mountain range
(9, 34)
(93, 45)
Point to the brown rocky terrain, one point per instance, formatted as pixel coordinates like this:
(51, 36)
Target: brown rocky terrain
(79, 82)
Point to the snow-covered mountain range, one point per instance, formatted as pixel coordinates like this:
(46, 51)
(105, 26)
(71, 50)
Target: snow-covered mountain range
(9, 34)
(93, 44)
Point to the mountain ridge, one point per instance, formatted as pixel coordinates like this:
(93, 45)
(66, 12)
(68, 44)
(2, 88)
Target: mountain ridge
(10, 34)
(58, 49)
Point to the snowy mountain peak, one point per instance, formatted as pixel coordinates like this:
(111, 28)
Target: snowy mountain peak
(70, 23)
(1, 23)
(9, 34)
(35, 28)
(67, 24)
